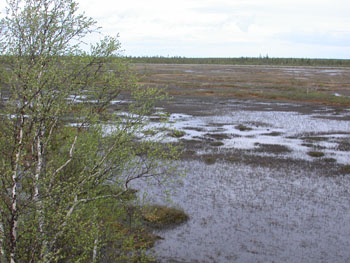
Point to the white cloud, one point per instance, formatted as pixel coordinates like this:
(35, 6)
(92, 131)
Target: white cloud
(300, 28)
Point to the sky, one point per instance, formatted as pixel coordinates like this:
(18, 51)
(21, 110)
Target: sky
(226, 28)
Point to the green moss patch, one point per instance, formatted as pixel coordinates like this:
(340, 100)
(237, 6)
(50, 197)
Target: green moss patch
(345, 169)
(310, 145)
(210, 160)
(329, 160)
(243, 128)
(273, 134)
(149, 132)
(315, 139)
(158, 216)
(217, 144)
(177, 133)
(315, 154)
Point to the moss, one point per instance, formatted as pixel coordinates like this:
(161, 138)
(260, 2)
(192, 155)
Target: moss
(273, 134)
(210, 160)
(329, 160)
(310, 145)
(315, 154)
(218, 136)
(344, 146)
(177, 133)
(158, 216)
(345, 169)
(272, 148)
(217, 144)
(149, 132)
(315, 138)
(243, 128)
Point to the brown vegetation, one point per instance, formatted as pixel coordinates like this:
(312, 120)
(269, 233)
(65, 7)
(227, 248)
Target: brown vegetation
(323, 85)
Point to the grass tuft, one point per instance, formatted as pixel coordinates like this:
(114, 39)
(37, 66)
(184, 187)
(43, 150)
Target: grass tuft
(209, 160)
(345, 169)
(177, 133)
(158, 216)
(315, 154)
(243, 128)
(217, 144)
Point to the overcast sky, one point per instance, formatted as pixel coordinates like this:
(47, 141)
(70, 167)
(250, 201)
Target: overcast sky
(226, 28)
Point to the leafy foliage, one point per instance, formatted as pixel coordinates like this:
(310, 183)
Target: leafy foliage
(61, 141)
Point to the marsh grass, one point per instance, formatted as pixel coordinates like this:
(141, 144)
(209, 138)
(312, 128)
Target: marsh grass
(158, 216)
(209, 160)
(242, 127)
(217, 144)
(345, 169)
(218, 136)
(274, 83)
(177, 133)
(243, 61)
(272, 134)
(315, 154)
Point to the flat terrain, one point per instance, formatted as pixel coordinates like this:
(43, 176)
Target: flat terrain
(267, 154)
(327, 85)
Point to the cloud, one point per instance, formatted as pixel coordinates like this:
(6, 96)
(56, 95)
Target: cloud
(184, 26)
(333, 38)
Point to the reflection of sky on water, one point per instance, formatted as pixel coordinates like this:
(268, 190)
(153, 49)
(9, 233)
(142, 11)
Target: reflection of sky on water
(289, 129)
(244, 213)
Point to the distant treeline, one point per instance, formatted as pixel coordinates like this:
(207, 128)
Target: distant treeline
(224, 61)
(244, 61)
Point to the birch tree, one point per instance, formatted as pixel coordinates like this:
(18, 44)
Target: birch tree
(65, 132)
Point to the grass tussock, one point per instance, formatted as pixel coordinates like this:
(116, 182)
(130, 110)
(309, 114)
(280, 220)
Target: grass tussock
(345, 169)
(243, 128)
(217, 144)
(209, 160)
(158, 216)
(315, 154)
(177, 134)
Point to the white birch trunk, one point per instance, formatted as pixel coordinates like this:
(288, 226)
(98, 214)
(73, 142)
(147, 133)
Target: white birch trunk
(38, 173)
(95, 250)
(2, 249)
(14, 212)
(38, 176)
(38, 170)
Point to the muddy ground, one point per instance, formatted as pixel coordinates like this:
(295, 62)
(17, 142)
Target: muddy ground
(267, 180)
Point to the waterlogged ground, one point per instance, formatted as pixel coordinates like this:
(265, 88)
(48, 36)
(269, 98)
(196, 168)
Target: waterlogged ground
(240, 213)
(266, 181)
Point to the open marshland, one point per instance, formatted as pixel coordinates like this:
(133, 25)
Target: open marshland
(267, 156)
(329, 85)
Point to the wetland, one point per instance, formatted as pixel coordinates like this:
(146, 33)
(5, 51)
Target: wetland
(266, 153)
